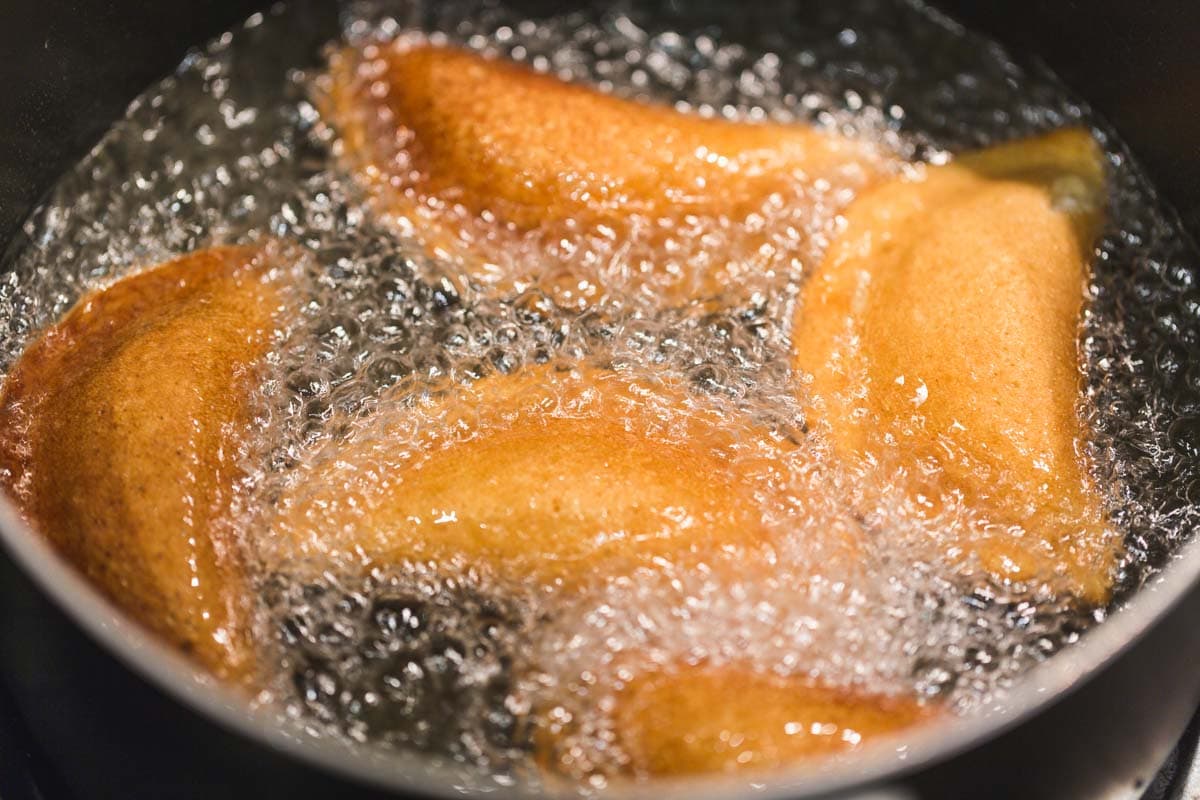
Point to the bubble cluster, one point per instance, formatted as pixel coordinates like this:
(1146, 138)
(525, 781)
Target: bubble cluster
(453, 661)
(421, 661)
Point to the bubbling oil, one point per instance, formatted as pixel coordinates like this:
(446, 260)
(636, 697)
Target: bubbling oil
(455, 661)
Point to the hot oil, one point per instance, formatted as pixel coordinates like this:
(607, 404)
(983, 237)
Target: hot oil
(457, 660)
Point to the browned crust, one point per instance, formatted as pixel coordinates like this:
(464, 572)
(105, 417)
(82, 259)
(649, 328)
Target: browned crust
(684, 719)
(549, 479)
(944, 318)
(478, 153)
(118, 437)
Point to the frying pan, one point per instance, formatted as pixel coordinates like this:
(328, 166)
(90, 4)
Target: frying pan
(112, 712)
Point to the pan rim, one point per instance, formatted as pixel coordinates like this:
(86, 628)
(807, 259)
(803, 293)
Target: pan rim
(163, 667)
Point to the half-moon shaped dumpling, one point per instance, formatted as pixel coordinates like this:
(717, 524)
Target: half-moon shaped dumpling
(476, 153)
(688, 720)
(941, 336)
(119, 431)
(541, 476)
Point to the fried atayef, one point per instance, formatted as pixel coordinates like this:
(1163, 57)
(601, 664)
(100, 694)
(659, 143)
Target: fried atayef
(940, 333)
(478, 153)
(690, 720)
(118, 434)
(539, 476)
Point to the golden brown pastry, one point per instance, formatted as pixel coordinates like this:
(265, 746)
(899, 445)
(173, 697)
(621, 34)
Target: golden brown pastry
(515, 151)
(119, 431)
(691, 720)
(541, 476)
(940, 333)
